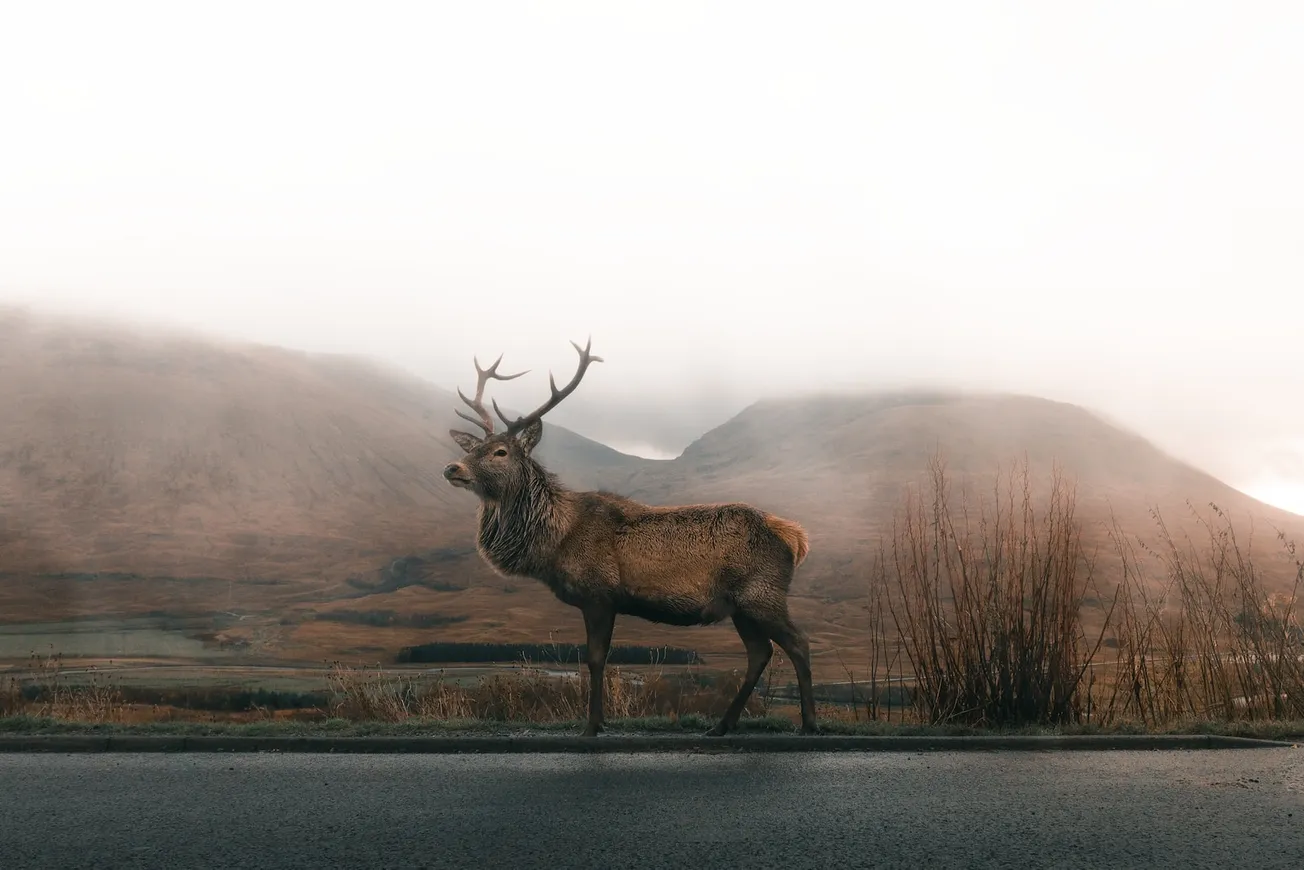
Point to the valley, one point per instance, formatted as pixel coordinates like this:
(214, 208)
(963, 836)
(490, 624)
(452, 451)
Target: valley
(189, 500)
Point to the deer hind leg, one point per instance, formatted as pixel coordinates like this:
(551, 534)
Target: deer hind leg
(765, 601)
(793, 641)
(599, 623)
(759, 651)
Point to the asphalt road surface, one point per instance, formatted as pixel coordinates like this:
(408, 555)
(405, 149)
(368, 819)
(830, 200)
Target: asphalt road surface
(1230, 808)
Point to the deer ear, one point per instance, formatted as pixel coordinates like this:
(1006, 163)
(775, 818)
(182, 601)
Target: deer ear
(530, 435)
(465, 440)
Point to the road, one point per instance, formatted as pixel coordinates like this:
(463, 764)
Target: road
(1187, 809)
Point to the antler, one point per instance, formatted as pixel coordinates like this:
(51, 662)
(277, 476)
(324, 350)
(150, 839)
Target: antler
(557, 395)
(482, 377)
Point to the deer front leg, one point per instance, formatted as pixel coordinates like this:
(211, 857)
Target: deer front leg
(599, 622)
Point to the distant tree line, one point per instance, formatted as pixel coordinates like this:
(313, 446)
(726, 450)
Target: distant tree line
(384, 618)
(373, 588)
(543, 653)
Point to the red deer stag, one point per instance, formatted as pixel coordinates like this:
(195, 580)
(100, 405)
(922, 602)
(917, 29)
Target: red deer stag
(606, 554)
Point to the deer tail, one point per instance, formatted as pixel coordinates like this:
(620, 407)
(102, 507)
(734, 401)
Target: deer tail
(792, 534)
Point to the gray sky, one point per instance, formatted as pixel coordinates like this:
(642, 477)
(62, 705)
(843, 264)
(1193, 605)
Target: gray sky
(1101, 203)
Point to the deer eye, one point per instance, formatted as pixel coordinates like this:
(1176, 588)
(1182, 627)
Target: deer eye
(501, 451)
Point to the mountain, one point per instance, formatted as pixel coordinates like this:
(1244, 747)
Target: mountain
(841, 463)
(147, 453)
(148, 472)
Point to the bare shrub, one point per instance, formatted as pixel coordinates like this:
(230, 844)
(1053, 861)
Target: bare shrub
(1213, 643)
(988, 607)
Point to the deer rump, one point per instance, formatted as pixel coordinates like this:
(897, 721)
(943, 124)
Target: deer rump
(683, 565)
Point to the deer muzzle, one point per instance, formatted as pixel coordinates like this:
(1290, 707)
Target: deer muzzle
(457, 475)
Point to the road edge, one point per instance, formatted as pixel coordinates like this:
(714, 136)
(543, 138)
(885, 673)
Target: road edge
(441, 745)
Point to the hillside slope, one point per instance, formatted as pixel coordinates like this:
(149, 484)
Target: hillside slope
(840, 465)
(133, 452)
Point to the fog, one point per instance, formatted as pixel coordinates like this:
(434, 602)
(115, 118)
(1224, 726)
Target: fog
(1099, 203)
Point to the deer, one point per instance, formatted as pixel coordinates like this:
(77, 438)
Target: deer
(609, 555)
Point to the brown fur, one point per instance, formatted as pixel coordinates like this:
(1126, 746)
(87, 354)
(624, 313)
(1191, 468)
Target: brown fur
(606, 554)
(792, 534)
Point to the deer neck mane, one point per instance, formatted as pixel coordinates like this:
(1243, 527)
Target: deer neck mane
(519, 532)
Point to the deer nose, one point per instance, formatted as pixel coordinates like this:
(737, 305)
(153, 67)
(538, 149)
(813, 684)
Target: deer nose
(450, 469)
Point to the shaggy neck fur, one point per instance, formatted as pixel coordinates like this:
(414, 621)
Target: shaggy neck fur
(520, 531)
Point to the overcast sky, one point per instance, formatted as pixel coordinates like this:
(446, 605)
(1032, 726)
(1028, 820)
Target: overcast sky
(1100, 202)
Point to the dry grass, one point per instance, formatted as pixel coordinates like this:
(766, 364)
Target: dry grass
(525, 694)
(46, 692)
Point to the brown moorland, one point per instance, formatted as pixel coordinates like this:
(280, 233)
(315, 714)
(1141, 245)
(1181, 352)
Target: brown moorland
(144, 472)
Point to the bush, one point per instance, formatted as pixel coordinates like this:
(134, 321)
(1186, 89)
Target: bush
(989, 607)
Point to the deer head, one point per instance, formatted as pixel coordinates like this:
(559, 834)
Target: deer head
(496, 463)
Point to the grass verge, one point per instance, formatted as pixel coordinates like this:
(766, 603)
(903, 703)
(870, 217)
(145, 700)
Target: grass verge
(689, 725)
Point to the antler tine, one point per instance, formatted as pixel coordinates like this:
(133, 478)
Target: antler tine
(499, 412)
(492, 371)
(482, 378)
(586, 357)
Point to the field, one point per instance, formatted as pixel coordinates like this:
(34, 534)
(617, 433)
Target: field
(979, 615)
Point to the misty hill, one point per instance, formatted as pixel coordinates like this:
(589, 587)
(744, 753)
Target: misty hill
(143, 472)
(131, 451)
(840, 464)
